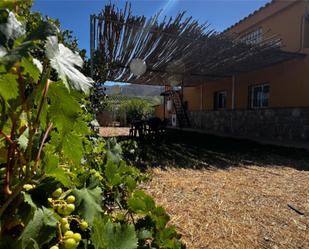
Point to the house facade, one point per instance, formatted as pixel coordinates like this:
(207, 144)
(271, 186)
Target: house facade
(271, 103)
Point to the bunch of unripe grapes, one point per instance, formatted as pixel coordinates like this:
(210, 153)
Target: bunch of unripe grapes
(64, 206)
(28, 187)
(60, 204)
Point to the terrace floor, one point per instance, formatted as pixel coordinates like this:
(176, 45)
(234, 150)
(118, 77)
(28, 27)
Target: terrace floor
(227, 193)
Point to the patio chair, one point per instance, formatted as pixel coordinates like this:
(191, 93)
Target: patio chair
(154, 125)
(137, 126)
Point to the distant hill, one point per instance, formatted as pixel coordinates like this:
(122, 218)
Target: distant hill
(131, 90)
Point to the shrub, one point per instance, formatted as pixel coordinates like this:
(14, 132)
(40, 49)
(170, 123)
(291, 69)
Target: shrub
(137, 109)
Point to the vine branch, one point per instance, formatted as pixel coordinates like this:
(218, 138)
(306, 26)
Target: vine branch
(10, 158)
(7, 138)
(38, 156)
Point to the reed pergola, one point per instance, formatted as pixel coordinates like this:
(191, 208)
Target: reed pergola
(175, 49)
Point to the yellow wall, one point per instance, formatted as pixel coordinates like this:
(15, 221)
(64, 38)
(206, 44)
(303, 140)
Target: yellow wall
(289, 81)
(159, 112)
(209, 90)
(193, 96)
(289, 84)
(282, 18)
(289, 87)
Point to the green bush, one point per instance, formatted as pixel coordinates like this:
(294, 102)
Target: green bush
(137, 109)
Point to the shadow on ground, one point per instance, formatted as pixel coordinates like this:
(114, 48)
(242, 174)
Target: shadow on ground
(195, 150)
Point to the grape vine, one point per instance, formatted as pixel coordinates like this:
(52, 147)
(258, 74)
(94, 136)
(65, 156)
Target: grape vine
(63, 186)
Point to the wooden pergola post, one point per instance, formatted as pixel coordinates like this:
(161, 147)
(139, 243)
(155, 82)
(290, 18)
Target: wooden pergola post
(164, 103)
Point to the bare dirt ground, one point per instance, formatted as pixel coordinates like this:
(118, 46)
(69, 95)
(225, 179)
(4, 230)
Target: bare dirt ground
(225, 193)
(114, 131)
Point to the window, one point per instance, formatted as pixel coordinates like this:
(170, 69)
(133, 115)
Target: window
(254, 37)
(220, 100)
(259, 96)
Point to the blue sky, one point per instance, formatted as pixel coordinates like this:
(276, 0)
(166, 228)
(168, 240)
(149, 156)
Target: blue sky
(74, 14)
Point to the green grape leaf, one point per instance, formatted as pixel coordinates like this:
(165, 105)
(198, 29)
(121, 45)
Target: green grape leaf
(8, 86)
(30, 69)
(63, 109)
(66, 62)
(33, 244)
(7, 4)
(29, 201)
(144, 234)
(15, 54)
(168, 238)
(27, 209)
(141, 203)
(52, 169)
(113, 235)
(12, 28)
(23, 140)
(44, 111)
(41, 228)
(160, 217)
(111, 173)
(97, 238)
(88, 202)
(113, 151)
(130, 183)
(120, 236)
(23, 119)
(167, 233)
(81, 127)
(55, 140)
(72, 147)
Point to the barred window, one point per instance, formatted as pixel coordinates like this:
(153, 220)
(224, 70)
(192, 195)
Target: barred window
(254, 37)
(259, 96)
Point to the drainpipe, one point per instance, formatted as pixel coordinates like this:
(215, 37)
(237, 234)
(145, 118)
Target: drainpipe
(233, 91)
(164, 103)
(302, 24)
(201, 105)
(301, 41)
(233, 101)
(182, 92)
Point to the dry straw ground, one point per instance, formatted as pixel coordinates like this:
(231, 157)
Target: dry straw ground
(244, 207)
(223, 193)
